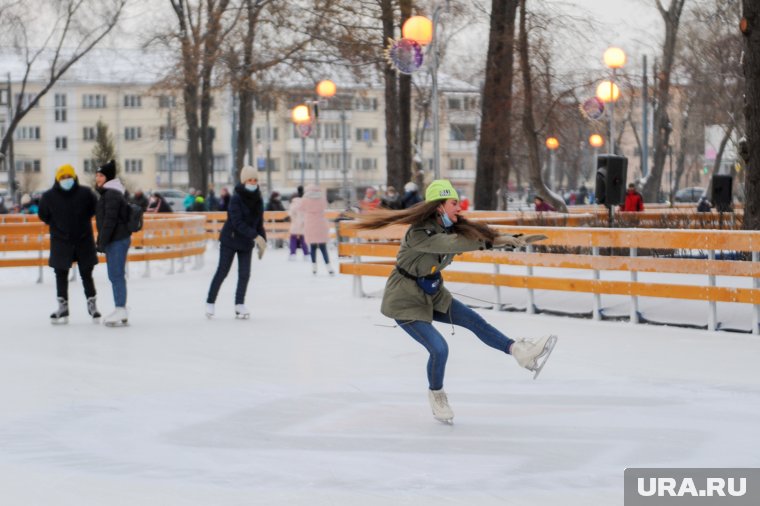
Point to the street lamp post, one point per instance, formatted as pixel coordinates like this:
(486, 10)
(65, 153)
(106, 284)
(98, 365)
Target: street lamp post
(552, 144)
(302, 118)
(614, 58)
(328, 89)
(424, 31)
(596, 141)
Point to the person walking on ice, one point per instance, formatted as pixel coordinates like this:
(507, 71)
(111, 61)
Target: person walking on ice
(243, 229)
(68, 209)
(415, 294)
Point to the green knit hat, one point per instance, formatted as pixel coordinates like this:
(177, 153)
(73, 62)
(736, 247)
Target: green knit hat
(440, 189)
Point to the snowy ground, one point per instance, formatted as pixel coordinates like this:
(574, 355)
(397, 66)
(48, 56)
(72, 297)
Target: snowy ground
(313, 401)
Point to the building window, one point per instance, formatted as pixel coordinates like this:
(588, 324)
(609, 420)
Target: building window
(133, 165)
(261, 164)
(265, 104)
(27, 133)
(94, 101)
(165, 101)
(455, 104)
(132, 101)
(162, 133)
(62, 143)
(365, 104)
(261, 134)
(27, 166)
(60, 107)
(90, 165)
(23, 100)
(89, 133)
(132, 133)
(366, 134)
(366, 163)
(331, 131)
(457, 164)
(462, 132)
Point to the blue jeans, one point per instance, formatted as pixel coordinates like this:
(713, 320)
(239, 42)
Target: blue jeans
(461, 315)
(226, 256)
(116, 262)
(323, 248)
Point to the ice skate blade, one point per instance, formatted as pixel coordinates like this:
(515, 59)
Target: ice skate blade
(209, 316)
(242, 316)
(446, 421)
(544, 356)
(122, 323)
(96, 320)
(60, 321)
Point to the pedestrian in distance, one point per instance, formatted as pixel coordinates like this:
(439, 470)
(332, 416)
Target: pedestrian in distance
(275, 205)
(316, 228)
(391, 199)
(224, 199)
(411, 195)
(67, 208)
(371, 201)
(541, 205)
(634, 202)
(415, 294)
(114, 238)
(140, 199)
(243, 229)
(704, 205)
(296, 226)
(158, 204)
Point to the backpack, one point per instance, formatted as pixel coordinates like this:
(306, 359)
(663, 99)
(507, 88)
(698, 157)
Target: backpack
(134, 217)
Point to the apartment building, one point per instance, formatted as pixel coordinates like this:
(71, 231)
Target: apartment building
(149, 133)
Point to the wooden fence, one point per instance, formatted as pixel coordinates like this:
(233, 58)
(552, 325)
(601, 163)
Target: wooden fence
(589, 252)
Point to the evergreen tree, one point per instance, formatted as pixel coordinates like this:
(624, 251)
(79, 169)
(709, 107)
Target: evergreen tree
(104, 150)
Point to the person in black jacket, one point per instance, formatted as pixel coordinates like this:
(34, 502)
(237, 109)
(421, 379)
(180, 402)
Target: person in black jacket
(67, 208)
(114, 237)
(157, 204)
(244, 228)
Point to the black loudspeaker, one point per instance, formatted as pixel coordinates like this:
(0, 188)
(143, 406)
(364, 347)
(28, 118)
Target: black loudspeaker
(721, 191)
(611, 175)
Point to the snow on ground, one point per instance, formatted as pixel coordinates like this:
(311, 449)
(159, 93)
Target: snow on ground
(316, 400)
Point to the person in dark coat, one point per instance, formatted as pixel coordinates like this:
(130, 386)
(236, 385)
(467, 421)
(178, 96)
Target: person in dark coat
(275, 204)
(243, 229)
(224, 199)
(67, 208)
(111, 215)
(212, 201)
(158, 204)
(411, 195)
(140, 199)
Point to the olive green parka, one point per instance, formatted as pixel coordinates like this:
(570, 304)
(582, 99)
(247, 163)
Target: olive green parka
(427, 248)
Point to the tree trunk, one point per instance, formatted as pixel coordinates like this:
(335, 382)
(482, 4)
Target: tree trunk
(392, 145)
(661, 121)
(405, 115)
(494, 149)
(752, 113)
(529, 125)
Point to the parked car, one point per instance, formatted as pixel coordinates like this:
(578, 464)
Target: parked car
(175, 198)
(691, 194)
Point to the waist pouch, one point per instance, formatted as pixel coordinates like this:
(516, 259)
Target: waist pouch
(429, 284)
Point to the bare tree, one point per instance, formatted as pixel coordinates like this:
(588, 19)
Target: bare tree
(78, 27)
(494, 149)
(662, 122)
(202, 25)
(528, 122)
(751, 17)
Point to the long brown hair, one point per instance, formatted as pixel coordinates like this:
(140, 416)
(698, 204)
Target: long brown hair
(420, 213)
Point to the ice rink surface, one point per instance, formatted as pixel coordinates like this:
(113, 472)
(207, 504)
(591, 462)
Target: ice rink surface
(317, 400)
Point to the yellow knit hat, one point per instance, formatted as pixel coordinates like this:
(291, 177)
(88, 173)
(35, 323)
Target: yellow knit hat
(440, 189)
(65, 170)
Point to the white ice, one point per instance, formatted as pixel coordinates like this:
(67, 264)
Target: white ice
(316, 400)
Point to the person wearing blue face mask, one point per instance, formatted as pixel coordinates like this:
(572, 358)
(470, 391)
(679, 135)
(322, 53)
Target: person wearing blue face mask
(415, 294)
(243, 230)
(67, 208)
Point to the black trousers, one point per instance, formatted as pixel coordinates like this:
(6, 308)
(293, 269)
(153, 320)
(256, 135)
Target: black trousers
(226, 256)
(62, 282)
